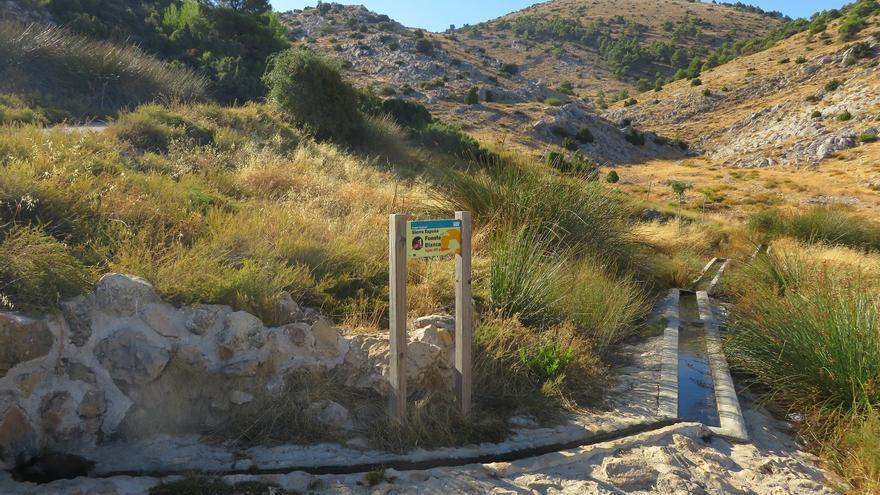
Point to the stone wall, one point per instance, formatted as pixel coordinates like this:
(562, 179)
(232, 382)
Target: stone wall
(121, 363)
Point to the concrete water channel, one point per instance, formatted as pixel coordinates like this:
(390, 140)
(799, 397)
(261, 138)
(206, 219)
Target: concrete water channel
(695, 382)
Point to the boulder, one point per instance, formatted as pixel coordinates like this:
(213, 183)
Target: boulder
(123, 294)
(92, 405)
(242, 331)
(58, 418)
(202, 318)
(330, 414)
(328, 339)
(131, 357)
(22, 339)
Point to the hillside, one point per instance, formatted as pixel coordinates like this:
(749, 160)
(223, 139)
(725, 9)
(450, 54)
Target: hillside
(802, 114)
(515, 102)
(606, 46)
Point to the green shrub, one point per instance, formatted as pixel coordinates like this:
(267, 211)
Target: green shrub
(425, 47)
(680, 143)
(844, 116)
(784, 61)
(707, 92)
(816, 114)
(634, 137)
(867, 137)
(472, 97)
(565, 87)
(547, 361)
(14, 110)
(630, 102)
(406, 113)
(451, 139)
(584, 136)
(813, 99)
(832, 85)
(612, 177)
(696, 81)
(801, 60)
(310, 91)
(570, 144)
(851, 25)
(37, 271)
(510, 69)
(554, 102)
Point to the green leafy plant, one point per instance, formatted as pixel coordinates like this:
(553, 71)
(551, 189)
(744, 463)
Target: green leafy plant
(547, 361)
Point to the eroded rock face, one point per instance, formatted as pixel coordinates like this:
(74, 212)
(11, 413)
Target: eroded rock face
(132, 357)
(77, 313)
(22, 339)
(16, 436)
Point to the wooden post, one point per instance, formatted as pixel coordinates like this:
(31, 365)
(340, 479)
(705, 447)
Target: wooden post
(397, 313)
(464, 316)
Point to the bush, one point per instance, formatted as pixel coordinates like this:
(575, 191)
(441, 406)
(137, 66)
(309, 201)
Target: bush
(696, 82)
(844, 116)
(707, 92)
(867, 137)
(510, 69)
(612, 177)
(851, 25)
(407, 114)
(14, 110)
(565, 87)
(472, 97)
(816, 114)
(584, 136)
(570, 144)
(554, 102)
(310, 91)
(634, 137)
(784, 61)
(425, 47)
(452, 140)
(832, 85)
(630, 102)
(801, 60)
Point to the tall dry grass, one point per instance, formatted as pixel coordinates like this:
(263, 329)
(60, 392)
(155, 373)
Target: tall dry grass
(84, 77)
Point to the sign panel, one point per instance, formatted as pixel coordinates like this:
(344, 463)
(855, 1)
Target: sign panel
(430, 238)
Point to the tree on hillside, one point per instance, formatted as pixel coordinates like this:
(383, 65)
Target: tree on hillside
(250, 6)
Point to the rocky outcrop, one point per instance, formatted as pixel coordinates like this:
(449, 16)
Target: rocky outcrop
(120, 362)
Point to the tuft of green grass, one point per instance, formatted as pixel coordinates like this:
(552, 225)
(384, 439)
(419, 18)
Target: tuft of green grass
(525, 274)
(37, 270)
(827, 224)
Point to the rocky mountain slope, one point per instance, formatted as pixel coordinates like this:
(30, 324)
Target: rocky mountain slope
(795, 104)
(517, 104)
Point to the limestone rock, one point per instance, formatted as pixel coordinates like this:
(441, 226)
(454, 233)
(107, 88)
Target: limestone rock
(327, 337)
(59, 419)
(164, 319)
(131, 357)
(75, 371)
(124, 294)
(22, 339)
(201, 318)
(77, 313)
(288, 309)
(241, 331)
(17, 436)
(331, 414)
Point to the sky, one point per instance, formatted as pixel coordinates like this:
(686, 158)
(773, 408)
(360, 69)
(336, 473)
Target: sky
(438, 15)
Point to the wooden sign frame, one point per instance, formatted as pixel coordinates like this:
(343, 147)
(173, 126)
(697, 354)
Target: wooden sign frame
(464, 315)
